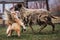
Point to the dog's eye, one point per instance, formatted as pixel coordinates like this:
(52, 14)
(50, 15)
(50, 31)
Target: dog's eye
(16, 8)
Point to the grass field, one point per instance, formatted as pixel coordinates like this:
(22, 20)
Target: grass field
(45, 34)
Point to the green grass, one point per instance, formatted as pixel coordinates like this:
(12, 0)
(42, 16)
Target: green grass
(45, 34)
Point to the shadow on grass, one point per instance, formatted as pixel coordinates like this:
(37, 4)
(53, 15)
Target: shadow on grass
(23, 36)
(48, 33)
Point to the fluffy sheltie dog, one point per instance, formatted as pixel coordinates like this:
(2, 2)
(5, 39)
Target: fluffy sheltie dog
(15, 26)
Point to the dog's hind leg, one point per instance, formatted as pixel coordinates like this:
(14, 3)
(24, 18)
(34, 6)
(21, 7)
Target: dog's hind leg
(53, 26)
(42, 27)
(32, 29)
(18, 33)
(8, 32)
(30, 25)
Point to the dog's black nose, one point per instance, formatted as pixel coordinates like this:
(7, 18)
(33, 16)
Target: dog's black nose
(24, 29)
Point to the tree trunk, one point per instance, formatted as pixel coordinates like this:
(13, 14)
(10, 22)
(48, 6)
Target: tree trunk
(47, 5)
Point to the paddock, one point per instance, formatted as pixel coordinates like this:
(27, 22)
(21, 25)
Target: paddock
(45, 34)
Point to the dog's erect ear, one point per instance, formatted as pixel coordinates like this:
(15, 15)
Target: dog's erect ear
(7, 11)
(18, 7)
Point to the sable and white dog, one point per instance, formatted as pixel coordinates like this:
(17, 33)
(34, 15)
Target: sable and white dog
(30, 16)
(15, 26)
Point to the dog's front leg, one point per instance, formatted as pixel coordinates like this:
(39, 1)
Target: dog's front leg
(23, 26)
(8, 32)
